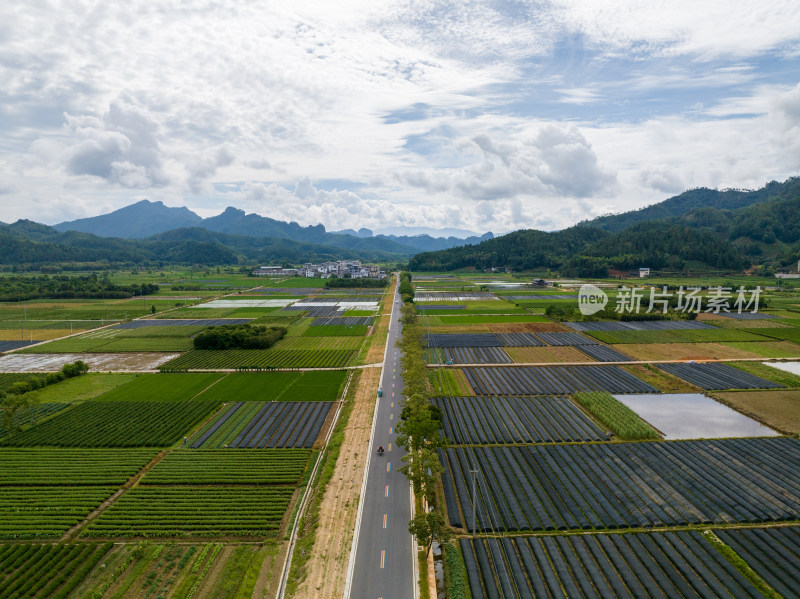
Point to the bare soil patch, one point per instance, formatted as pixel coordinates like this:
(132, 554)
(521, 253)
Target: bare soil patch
(685, 351)
(127, 362)
(535, 355)
(777, 408)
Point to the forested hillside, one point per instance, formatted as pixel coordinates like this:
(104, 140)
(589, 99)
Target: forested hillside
(730, 230)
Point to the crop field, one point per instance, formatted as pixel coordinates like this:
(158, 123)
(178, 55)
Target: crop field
(490, 318)
(690, 351)
(162, 387)
(774, 553)
(265, 424)
(713, 375)
(293, 343)
(22, 568)
(158, 331)
(672, 564)
(129, 362)
(484, 340)
(643, 325)
(483, 420)
(9, 345)
(677, 336)
(623, 485)
(280, 386)
(79, 388)
(548, 354)
(33, 414)
(115, 424)
(771, 373)
(343, 321)
(163, 511)
(33, 512)
(603, 353)
(447, 382)
(74, 467)
(468, 355)
(553, 380)
(219, 466)
(331, 330)
(616, 416)
(788, 334)
(779, 409)
(175, 322)
(262, 358)
(769, 349)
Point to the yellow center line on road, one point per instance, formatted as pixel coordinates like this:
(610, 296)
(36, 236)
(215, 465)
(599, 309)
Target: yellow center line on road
(385, 519)
(390, 429)
(388, 466)
(386, 493)
(390, 447)
(391, 405)
(383, 559)
(391, 416)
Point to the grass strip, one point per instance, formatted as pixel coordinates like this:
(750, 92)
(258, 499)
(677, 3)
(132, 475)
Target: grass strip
(741, 565)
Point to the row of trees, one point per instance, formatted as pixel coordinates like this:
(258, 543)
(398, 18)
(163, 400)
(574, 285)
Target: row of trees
(239, 336)
(19, 288)
(17, 399)
(406, 289)
(419, 430)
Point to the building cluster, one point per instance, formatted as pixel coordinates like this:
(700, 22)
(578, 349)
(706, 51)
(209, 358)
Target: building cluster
(344, 269)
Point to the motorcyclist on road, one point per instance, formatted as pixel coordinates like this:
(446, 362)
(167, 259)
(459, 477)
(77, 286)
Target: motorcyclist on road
(380, 450)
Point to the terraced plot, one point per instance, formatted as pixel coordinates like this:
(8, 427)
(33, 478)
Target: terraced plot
(672, 564)
(716, 376)
(774, 553)
(599, 486)
(484, 420)
(553, 380)
(219, 466)
(194, 511)
(262, 424)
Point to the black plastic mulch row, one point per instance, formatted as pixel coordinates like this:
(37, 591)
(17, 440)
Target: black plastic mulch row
(640, 325)
(712, 375)
(284, 424)
(675, 483)
(473, 355)
(663, 565)
(554, 380)
(507, 339)
(343, 321)
(223, 419)
(603, 353)
(481, 420)
(314, 310)
(774, 554)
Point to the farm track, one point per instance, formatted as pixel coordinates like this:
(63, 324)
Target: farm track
(73, 533)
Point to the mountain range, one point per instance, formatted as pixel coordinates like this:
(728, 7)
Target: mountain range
(145, 219)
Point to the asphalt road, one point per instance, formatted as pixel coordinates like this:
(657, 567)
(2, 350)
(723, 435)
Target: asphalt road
(384, 559)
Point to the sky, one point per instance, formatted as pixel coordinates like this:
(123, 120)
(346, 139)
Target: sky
(484, 116)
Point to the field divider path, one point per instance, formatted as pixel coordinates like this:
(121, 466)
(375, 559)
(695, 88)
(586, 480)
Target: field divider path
(73, 532)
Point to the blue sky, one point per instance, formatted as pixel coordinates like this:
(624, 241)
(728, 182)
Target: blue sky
(472, 115)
